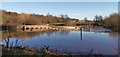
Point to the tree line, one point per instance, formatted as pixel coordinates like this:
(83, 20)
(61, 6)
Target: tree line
(112, 21)
(34, 19)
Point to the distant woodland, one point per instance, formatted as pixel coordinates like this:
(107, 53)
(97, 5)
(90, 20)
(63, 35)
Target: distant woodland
(34, 19)
(112, 21)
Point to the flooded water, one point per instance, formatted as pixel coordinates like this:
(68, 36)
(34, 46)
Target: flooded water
(70, 41)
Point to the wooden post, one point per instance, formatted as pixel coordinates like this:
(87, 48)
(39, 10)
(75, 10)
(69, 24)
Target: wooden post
(81, 33)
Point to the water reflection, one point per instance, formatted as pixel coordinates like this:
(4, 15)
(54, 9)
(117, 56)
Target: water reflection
(27, 35)
(114, 34)
(22, 35)
(72, 41)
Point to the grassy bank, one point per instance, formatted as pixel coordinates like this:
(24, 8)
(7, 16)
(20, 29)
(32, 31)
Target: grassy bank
(22, 51)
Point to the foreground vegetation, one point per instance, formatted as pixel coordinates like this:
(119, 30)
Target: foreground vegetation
(25, 51)
(21, 50)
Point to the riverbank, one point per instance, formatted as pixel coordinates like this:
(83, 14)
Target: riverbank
(22, 50)
(26, 51)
